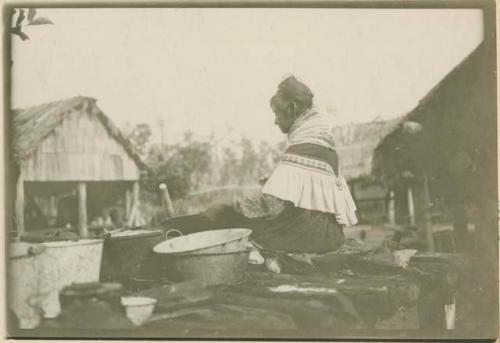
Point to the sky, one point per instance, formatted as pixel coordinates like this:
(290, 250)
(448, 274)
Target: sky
(214, 70)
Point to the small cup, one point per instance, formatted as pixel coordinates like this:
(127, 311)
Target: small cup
(138, 309)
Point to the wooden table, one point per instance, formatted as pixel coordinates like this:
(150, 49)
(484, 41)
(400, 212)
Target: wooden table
(285, 305)
(341, 297)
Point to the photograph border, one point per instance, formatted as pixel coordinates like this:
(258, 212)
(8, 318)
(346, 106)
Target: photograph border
(489, 10)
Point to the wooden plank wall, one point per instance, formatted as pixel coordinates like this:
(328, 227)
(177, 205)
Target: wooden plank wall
(80, 149)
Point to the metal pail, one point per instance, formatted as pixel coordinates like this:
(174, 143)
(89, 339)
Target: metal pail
(128, 256)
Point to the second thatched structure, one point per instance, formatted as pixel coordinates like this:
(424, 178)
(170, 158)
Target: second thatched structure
(355, 144)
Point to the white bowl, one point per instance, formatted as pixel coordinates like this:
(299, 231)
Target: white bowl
(138, 309)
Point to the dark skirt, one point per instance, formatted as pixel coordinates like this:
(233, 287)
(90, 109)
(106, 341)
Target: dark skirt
(298, 230)
(295, 230)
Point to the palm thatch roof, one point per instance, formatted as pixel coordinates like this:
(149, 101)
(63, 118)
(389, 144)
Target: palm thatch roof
(356, 143)
(32, 125)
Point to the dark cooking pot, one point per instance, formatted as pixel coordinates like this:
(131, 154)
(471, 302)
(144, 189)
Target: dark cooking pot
(128, 257)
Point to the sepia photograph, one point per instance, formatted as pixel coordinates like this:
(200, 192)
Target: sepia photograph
(291, 170)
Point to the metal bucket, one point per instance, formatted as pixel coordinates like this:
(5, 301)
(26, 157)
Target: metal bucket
(216, 257)
(25, 284)
(128, 256)
(65, 263)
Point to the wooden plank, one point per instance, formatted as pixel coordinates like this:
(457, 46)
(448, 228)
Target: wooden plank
(436, 275)
(82, 210)
(431, 270)
(218, 320)
(411, 205)
(53, 206)
(135, 193)
(392, 208)
(128, 203)
(132, 216)
(427, 215)
(457, 260)
(373, 297)
(20, 205)
(307, 313)
(431, 313)
(399, 289)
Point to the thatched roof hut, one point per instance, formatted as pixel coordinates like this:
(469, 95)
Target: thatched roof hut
(67, 144)
(451, 157)
(356, 143)
(34, 125)
(457, 119)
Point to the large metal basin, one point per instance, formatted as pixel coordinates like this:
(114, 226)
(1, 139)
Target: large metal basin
(206, 242)
(211, 269)
(216, 257)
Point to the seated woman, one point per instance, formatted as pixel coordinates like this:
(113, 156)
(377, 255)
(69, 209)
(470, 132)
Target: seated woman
(305, 203)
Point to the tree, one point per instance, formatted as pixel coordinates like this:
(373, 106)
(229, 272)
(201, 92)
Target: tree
(181, 166)
(139, 136)
(268, 158)
(248, 164)
(30, 20)
(228, 170)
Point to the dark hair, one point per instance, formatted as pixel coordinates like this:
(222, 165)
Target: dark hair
(292, 90)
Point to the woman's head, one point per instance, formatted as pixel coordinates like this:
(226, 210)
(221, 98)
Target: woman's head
(290, 101)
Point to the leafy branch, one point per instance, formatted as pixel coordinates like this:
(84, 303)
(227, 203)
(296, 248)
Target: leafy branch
(30, 20)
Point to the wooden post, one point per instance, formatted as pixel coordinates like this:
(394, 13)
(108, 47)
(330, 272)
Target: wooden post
(134, 210)
(135, 192)
(166, 201)
(53, 206)
(392, 208)
(411, 205)
(20, 205)
(431, 312)
(128, 203)
(82, 210)
(427, 215)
